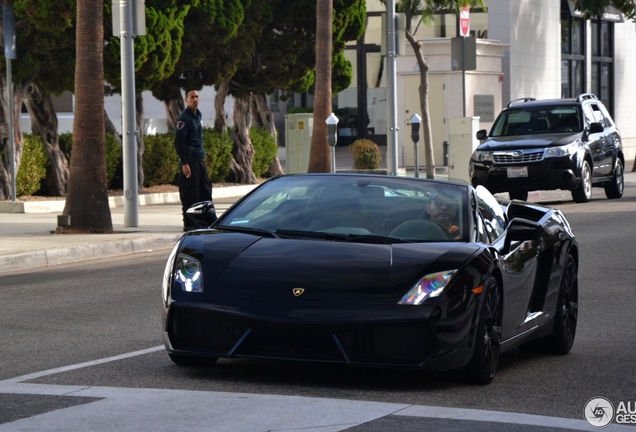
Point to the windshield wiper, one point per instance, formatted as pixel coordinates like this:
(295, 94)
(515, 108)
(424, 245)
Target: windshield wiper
(247, 230)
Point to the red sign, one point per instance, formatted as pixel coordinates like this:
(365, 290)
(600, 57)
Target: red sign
(464, 21)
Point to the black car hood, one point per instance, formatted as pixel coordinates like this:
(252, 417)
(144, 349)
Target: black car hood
(528, 141)
(261, 269)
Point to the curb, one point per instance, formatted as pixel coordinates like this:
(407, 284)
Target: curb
(70, 254)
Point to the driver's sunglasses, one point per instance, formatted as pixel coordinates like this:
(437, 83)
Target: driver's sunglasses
(439, 201)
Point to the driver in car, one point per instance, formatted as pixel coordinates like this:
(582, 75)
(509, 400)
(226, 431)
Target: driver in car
(442, 209)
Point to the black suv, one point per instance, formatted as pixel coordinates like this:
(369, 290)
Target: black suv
(570, 144)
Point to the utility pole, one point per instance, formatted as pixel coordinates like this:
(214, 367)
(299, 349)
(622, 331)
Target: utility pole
(391, 54)
(128, 21)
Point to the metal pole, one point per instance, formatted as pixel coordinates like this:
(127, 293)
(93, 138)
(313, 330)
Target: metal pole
(333, 159)
(464, 76)
(8, 27)
(126, 36)
(11, 133)
(392, 145)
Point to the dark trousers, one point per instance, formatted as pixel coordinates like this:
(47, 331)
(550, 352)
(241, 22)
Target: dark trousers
(195, 189)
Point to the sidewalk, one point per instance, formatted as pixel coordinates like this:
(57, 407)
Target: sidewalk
(28, 239)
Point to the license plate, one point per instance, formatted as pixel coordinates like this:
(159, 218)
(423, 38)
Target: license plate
(517, 172)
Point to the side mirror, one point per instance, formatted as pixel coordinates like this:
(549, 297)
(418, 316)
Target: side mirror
(596, 128)
(203, 212)
(520, 229)
(482, 134)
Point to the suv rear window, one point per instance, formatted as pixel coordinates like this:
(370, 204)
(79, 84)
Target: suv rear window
(525, 121)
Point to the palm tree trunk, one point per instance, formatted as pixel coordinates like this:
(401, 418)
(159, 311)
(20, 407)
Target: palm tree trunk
(320, 154)
(87, 194)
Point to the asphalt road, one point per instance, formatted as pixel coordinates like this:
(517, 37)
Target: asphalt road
(64, 325)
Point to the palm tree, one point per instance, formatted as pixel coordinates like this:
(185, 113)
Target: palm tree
(319, 155)
(87, 195)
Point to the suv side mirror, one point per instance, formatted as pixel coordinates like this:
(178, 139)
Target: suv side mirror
(482, 134)
(596, 128)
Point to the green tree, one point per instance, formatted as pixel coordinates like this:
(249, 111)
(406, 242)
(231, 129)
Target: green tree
(210, 51)
(87, 197)
(156, 54)
(593, 8)
(286, 60)
(45, 41)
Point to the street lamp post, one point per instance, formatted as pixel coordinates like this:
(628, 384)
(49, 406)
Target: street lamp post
(332, 138)
(416, 120)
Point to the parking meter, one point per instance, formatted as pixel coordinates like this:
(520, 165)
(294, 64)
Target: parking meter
(332, 138)
(332, 129)
(416, 120)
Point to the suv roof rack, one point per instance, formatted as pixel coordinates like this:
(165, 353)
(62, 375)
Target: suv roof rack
(584, 96)
(520, 100)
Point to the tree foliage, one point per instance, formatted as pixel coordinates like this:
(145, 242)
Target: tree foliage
(593, 8)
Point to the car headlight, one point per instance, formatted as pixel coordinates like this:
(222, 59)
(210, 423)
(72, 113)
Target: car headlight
(561, 151)
(167, 272)
(188, 273)
(429, 286)
(482, 156)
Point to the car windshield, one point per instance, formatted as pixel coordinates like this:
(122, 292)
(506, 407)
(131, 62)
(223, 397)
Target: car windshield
(537, 120)
(362, 208)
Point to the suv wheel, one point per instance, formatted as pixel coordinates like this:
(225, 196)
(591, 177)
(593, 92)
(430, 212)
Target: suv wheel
(519, 195)
(614, 189)
(583, 192)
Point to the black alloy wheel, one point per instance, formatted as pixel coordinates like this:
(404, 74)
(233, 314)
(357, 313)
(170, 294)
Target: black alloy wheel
(567, 311)
(483, 366)
(614, 189)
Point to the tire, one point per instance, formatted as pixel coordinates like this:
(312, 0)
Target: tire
(614, 189)
(583, 192)
(566, 317)
(187, 360)
(482, 367)
(519, 195)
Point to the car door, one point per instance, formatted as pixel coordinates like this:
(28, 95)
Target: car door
(613, 137)
(597, 142)
(520, 267)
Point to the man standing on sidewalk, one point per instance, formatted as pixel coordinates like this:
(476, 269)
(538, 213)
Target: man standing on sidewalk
(194, 182)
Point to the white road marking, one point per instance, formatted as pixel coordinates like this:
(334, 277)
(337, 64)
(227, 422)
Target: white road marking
(81, 365)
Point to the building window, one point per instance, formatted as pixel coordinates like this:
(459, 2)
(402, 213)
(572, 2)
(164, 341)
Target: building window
(572, 55)
(602, 84)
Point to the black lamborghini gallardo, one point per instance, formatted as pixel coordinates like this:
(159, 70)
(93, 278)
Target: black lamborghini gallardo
(371, 270)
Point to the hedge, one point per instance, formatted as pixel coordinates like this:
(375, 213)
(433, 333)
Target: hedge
(32, 166)
(160, 161)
